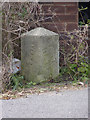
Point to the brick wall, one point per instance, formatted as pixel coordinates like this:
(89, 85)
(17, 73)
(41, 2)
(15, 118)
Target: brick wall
(65, 18)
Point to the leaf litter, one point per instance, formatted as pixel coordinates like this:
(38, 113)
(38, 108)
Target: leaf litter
(38, 89)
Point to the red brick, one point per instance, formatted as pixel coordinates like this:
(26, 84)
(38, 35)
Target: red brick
(71, 26)
(66, 18)
(45, 3)
(71, 10)
(61, 18)
(51, 9)
(55, 27)
(59, 3)
(65, 3)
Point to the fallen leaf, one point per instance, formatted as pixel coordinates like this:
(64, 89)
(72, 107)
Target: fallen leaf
(65, 87)
(81, 83)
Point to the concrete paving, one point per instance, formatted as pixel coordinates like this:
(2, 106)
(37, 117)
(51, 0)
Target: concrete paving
(65, 104)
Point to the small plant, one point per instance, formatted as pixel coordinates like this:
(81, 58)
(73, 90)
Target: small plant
(83, 68)
(82, 13)
(29, 84)
(16, 81)
(74, 52)
(75, 71)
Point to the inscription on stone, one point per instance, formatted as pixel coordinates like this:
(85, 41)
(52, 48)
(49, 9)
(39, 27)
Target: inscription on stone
(40, 55)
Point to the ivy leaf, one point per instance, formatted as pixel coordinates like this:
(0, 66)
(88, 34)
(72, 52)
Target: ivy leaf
(81, 69)
(73, 65)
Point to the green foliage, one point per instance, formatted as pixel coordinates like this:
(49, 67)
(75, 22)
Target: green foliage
(81, 23)
(82, 8)
(29, 84)
(81, 11)
(88, 21)
(16, 81)
(76, 71)
(74, 65)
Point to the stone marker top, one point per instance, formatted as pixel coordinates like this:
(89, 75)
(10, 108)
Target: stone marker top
(40, 31)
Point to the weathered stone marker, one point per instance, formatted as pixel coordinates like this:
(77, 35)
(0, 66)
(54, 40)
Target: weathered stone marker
(39, 55)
